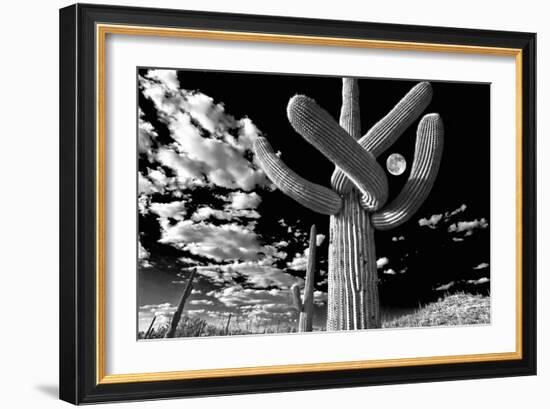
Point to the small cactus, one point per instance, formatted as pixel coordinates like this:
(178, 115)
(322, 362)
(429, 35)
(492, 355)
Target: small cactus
(305, 306)
(171, 333)
(356, 201)
(227, 324)
(150, 329)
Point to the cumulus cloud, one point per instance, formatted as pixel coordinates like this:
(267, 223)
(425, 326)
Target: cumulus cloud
(163, 313)
(320, 297)
(255, 273)
(201, 302)
(431, 222)
(207, 212)
(319, 239)
(248, 299)
(381, 262)
(398, 238)
(299, 262)
(481, 266)
(174, 210)
(143, 256)
(445, 287)
(167, 77)
(260, 275)
(146, 136)
(242, 200)
(205, 149)
(467, 227)
(221, 243)
(482, 280)
(454, 212)
(390, 271)
(145, 186)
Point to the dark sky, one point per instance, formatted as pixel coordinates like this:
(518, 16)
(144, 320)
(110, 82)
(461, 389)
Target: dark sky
(447, 252)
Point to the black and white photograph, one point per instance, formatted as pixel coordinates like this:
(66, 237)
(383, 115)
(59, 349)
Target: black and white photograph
(283, 203)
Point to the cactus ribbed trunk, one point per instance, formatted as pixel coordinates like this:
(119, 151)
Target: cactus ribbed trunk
(352, 275)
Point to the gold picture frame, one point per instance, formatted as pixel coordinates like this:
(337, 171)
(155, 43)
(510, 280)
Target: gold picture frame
(98, 22)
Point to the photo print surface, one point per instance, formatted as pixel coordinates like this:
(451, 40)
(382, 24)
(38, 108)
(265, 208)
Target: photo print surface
(282, 203)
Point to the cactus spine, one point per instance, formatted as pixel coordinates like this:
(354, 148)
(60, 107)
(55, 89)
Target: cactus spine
(171, 333)
(359, 190)
(305, 307)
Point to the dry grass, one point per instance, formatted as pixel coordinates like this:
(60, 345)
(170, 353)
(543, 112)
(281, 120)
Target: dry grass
(197, 327)
(455, 309)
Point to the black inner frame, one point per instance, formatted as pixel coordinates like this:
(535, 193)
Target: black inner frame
(78, 211)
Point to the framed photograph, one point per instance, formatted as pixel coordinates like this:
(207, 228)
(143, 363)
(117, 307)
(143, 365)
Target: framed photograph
(258, 203)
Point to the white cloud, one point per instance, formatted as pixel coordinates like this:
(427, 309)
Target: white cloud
(188, 260)
(143, 256)
(482, 280)
(163, 313)
(431, 222)
(390, 271)
(468, 226)
(241, 200)
(320, 297)
(265, 275)
(206, 212)
(299, 262)
(208, 153)
(145, 186)
(248, 299)
(174, 210)
(445, 287)
(201, 302)
(381, 262)
(481, 266)
(167, 77)
(220, 243)
(146, 136)
(398, 238)
(319, 239)
(454, 212)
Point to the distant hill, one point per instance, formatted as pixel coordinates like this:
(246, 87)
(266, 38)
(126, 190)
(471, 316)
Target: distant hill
(455, 309)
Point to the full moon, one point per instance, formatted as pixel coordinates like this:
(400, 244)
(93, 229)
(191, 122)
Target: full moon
(396, 164)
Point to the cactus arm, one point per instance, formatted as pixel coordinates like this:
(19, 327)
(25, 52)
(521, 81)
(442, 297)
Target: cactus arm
(171, 333)
(319, 129)
(350, 116)
(386, 131)
(315, 197)
(427, 157)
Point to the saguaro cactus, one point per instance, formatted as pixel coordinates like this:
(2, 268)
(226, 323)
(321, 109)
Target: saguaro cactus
(305, 307)
(359, 189)
(171, 333)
